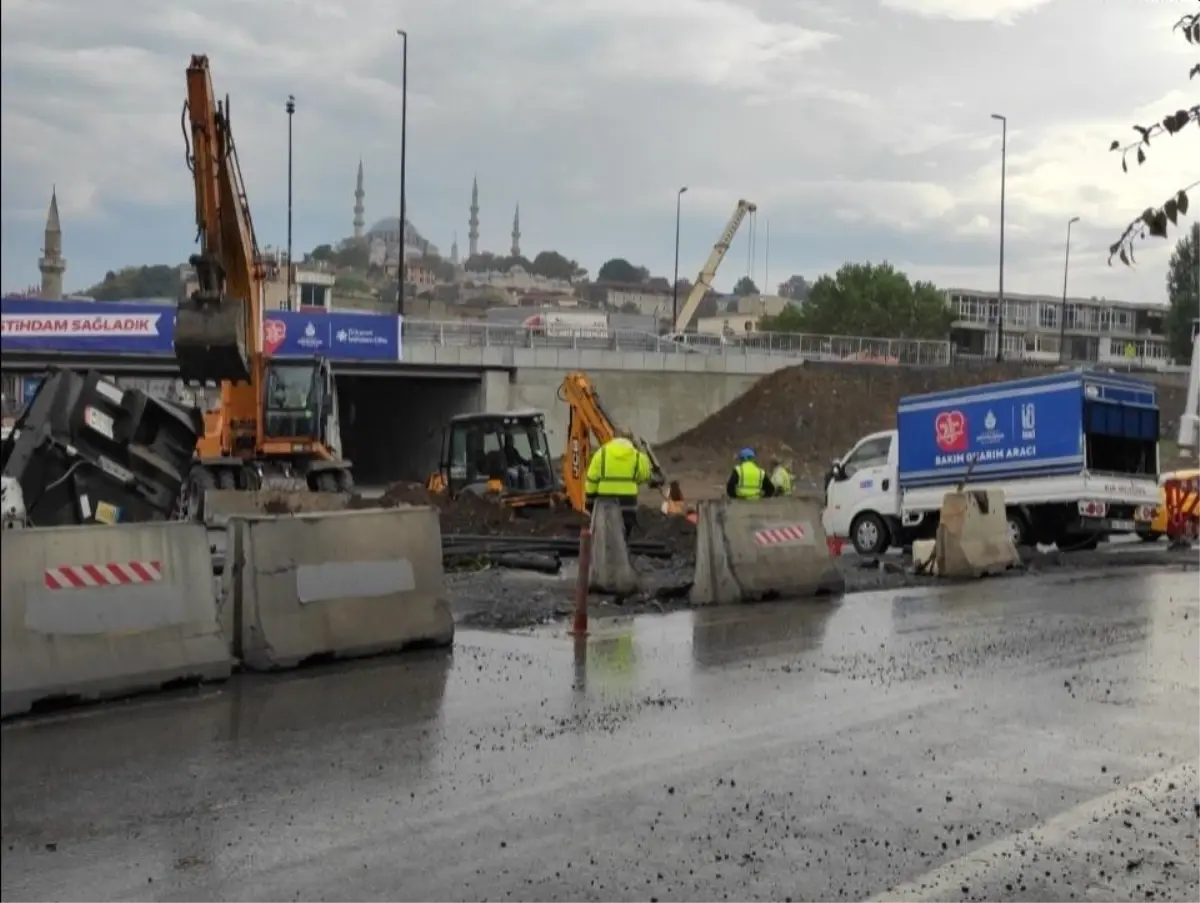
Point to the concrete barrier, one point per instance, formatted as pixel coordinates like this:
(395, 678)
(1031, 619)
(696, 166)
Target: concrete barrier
(773, 548)
(222, 504)
(972, 535)
(100, 611)
(611, 572)
(340, 584)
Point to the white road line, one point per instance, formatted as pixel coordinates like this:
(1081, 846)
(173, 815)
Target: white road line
(974, 868)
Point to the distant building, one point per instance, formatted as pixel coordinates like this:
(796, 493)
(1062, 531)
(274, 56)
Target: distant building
(1097, 330)
(52, 264)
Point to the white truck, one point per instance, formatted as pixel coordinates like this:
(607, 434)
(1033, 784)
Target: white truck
(570, 324)
(1075, 453)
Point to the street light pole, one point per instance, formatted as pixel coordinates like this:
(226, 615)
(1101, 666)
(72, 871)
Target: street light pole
(402, 269)
(291, 111)
(1003, 176)
(675, 284)
(1062, 326)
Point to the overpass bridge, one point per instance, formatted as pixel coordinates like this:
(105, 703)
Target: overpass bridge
(400, 380)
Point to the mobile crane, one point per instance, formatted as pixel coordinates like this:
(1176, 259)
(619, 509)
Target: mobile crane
(277, 423)
(507, 455)
(708, 273)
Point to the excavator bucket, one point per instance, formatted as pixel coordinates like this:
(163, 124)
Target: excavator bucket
(211, 341)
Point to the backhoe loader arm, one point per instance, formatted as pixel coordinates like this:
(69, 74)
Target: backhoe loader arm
(588, 421)
(218, 328)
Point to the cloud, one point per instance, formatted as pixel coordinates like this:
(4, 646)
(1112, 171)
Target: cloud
(860, 129)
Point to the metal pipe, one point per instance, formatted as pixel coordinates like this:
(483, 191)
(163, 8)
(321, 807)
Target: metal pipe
(291, 110)
(1062, 327)
(675, 283)
(580, 626)
(402, 267)
(1003, 177)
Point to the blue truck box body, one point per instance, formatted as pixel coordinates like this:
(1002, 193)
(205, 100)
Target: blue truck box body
(1020, 429)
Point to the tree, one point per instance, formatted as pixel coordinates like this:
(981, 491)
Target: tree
(629, 308)
(745, 286)
(619, 270)
(131, 283)
(354, 256)
(1183, 292)
(864, 299)
(795, 288)
(323, 254)
(553, 265)
(790, 319)
(1154, 221)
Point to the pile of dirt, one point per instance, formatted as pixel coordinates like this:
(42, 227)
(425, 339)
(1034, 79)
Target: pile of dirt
(812, 413)
(473, 514)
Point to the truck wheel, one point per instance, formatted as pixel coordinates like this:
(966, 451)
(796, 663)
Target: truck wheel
(326, 481)
(345, 481)
(1018, 528)
(226, 478)
(869, 534)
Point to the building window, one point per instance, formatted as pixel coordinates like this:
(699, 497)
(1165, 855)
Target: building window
(1048, 316)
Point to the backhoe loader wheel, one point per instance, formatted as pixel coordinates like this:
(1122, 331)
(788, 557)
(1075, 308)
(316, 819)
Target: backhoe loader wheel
(326, 481)
(345, 480)
(199, 481)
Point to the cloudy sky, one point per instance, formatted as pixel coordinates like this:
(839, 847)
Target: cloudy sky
(861, 128)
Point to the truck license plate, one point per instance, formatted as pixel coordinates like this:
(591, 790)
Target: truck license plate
(1126, 526)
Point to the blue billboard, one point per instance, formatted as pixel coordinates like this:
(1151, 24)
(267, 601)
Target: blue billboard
(107, 328)
(1023, 428)
(86, 327)
(355, 337)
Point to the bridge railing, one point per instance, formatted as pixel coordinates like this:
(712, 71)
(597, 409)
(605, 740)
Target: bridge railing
(895, 352)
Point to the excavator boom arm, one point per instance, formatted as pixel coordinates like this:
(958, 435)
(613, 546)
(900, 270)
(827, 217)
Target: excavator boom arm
(588, 421)
(217, 328)
(704, 281)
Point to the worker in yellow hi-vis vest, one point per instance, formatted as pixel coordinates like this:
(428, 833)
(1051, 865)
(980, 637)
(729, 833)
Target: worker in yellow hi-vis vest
(618, 469)
(747, 480)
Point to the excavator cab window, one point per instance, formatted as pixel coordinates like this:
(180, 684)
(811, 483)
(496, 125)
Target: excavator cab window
(295, 394)
(511, 450)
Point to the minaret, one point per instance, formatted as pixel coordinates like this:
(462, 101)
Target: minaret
(516, 233)
(51, 263)
(473, 222)
(359, 194)
(454, 250)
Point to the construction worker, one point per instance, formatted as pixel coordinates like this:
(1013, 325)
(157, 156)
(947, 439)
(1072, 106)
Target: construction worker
(781, 478)
(748, 480)
(618, 469)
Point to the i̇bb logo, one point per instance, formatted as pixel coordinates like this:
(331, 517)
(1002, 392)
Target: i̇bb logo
(274, 332)
(951, 429)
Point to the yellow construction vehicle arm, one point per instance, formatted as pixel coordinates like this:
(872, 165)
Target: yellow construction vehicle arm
(218, 328)
(589, 421)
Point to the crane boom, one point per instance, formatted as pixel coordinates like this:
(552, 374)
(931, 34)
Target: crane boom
(709, 272)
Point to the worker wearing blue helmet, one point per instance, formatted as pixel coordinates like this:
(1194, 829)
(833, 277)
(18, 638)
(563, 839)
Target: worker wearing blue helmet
(747, 480)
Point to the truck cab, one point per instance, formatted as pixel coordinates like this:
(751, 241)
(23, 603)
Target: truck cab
(862, 500)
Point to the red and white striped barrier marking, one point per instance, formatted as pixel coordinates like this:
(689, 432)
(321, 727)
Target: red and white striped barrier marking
(114, 573)
(774, 536)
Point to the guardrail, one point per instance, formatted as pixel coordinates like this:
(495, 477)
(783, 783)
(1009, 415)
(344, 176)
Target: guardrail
(894, 352)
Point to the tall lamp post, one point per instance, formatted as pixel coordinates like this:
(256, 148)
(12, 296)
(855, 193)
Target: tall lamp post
(675, 284)
(1003, 174)
(291, 111)
(403, 155)
(1062, 326)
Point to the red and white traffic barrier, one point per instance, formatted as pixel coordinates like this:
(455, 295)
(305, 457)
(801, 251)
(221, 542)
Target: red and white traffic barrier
(775, 536)
(113, 573)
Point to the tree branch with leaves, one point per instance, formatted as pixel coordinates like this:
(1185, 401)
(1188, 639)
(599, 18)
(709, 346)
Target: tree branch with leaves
(1155, 221)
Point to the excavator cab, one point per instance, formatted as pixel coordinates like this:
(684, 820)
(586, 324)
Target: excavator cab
(297, 400)
(497, 454)
(211, 330)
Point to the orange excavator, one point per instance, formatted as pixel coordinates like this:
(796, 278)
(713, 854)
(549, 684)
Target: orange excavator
(277, 422)
(506, 456)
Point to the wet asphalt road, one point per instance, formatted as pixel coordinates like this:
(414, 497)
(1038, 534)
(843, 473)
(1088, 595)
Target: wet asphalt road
(962, 743)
